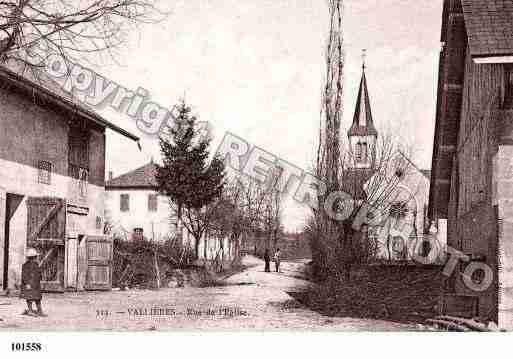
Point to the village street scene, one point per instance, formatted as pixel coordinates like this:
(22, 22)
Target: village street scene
(338, 165)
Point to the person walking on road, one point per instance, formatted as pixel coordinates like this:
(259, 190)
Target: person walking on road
(277, 255)
(31, 284)
(267, 259)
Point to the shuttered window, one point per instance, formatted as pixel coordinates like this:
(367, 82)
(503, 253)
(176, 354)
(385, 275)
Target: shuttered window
(152, 203)
(124, 205)
(78, 153)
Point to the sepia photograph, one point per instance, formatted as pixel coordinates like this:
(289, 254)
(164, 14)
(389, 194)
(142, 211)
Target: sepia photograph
(241, 165)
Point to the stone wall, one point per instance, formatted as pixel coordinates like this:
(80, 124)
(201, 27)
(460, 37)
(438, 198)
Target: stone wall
(503, 200)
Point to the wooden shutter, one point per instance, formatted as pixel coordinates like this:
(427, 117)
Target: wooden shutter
(46, 219)
(46, 228)
(78, 166)
(99, 251)
(79, 148)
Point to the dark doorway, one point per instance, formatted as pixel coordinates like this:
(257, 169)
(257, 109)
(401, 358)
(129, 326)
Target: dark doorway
(12, 203)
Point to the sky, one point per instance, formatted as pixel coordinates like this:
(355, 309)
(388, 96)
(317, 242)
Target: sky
(255, 68)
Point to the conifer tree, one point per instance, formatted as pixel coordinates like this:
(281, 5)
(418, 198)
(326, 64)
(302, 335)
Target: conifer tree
(192, 182)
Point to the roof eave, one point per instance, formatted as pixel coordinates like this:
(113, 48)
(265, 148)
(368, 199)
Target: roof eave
(493, 59)
(28, 85)
(129, 188)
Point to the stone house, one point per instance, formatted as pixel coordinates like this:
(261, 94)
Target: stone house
(134, 206)
(472, 172)
(135, 209)
(52, 170)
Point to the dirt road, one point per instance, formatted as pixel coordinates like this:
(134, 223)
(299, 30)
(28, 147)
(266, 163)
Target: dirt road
(251, 299)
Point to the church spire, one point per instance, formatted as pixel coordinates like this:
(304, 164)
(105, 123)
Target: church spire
(362, 120)
(362, 134)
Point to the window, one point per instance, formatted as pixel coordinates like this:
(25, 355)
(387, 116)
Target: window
(78, 156)
(44, 174)
(358, 152)
(398, 209)
(99, 222)
(78, 159)
(152, 203)
(138, 233)
(124, 204)
(364, 152)
(83, 180)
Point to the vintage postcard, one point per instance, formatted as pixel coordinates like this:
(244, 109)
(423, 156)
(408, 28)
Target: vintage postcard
(335, 165)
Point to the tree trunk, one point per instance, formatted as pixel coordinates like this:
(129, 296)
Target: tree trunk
(179, 227)
(205, 244)
(347, 246)
(196, 246)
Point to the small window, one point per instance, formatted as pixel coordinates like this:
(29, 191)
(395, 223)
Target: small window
(83, 180)
(99, 222)
(44, 172)
(358, 151)
(138, 233)
(152, 203)
(398, 209)
(124, 204)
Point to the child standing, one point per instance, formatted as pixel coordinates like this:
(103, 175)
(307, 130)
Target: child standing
(31, 283)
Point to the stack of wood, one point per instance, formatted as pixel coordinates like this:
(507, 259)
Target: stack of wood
(456, 324)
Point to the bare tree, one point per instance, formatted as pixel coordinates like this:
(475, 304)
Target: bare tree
(228, 219)
(374, 199)
(321, 229)
(272, 212)
(328, 151)
(253, 205)
(352, 194)
(70, 28)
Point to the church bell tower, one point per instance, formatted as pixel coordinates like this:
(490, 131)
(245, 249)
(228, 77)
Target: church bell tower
(362, 135)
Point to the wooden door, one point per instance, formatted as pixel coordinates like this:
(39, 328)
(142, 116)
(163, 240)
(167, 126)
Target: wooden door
(46, 232)
(99, 251)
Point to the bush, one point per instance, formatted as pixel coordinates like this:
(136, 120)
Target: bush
(134, 261)
(406, 294)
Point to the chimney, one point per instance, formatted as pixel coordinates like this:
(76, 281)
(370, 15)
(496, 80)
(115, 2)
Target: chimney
(111, 175)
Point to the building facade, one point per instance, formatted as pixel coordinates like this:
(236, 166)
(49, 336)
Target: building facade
(404, 222)
(135, 209)
(472, 177)
(52, 168)
(134, 206)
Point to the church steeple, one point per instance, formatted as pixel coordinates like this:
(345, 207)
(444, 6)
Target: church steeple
(362, 134)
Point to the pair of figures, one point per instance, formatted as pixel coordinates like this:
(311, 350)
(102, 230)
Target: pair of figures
(267, 260)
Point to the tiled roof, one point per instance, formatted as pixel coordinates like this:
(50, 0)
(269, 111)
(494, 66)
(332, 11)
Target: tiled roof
(142, 177)
(362, 120)
(489, 25)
